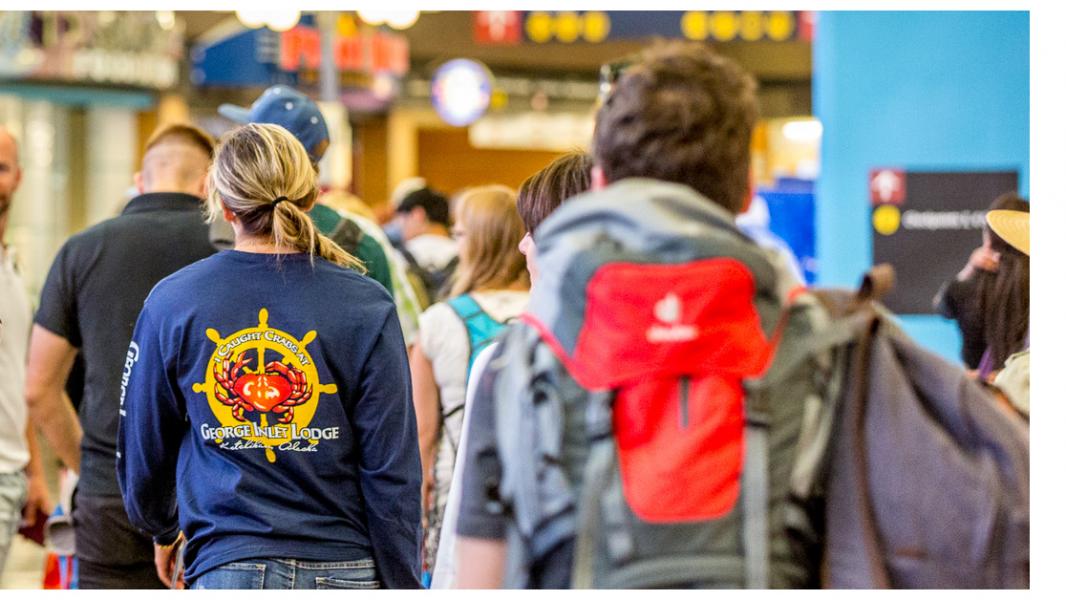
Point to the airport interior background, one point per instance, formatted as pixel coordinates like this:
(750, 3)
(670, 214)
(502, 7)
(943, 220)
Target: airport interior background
(883, 137)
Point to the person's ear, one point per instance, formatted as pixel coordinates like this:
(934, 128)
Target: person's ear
(228, 215)
(138, 181)
(599, 180)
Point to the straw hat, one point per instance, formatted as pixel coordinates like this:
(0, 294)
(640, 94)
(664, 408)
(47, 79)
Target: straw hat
(1012, 226)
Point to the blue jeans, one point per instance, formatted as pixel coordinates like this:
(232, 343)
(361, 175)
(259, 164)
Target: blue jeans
(290, 574)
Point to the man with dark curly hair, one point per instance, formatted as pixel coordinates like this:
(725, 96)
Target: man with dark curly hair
(677, 114)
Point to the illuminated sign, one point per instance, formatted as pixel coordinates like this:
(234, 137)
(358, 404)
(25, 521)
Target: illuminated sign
(461, 91)
(569, 27)
(375, 52)
(260, 57)
(498, 27)
(107, 47)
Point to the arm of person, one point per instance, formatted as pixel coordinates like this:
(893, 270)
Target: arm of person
(54, 342)
(485, 560)
(952, 292)
(151, 426)
(37, 489)
(982, 258)
(389, 469)
(427, 411)
(50, 359)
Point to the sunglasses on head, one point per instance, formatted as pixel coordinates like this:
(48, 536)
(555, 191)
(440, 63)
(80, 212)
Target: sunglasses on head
(609, 75)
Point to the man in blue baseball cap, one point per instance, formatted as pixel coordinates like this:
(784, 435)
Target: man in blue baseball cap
(284, 106)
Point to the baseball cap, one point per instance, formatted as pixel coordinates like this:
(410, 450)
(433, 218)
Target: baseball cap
(284, 106)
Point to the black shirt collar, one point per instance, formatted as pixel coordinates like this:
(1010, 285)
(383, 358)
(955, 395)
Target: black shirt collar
(162, 201)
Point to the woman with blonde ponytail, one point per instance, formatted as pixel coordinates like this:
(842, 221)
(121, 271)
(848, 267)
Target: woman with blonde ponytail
(266, 404)
(264, 184)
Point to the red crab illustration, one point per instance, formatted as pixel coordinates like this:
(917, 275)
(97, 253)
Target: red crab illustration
(278, 389)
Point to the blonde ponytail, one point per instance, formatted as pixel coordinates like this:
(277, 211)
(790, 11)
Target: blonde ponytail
(263, 175)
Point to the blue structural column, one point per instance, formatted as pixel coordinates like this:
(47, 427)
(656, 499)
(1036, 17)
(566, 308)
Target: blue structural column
(924, 91)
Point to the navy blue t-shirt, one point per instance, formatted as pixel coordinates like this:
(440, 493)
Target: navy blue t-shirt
(266, 405)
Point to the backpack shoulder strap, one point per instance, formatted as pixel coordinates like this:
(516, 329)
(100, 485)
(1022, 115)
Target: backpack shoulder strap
(414, 265)
(755, 492)
(599, 428)
(452, 265)
(529, 431)
(347, 234)
(481, 328)
(427, 280)
(441, 279)
(465, 306)
(410, 258)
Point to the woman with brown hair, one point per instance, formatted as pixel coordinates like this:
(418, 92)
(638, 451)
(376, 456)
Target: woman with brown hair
(266, 414)
(491, 287)
(990, 298)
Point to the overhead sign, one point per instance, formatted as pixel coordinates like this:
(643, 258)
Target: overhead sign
(371, 51)
(498, 27)
(261, 57)
(103, 47)
(568, 27)
(926, 225)
(887, 185)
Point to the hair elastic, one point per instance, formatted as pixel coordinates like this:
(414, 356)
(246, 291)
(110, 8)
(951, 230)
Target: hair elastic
(279, 199)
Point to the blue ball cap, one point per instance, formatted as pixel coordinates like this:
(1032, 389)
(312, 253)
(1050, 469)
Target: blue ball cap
(284, 106)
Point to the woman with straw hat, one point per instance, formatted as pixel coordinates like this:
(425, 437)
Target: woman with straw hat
(1013, 380)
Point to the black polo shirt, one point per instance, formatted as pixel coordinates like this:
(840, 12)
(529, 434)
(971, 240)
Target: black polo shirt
(93, 295)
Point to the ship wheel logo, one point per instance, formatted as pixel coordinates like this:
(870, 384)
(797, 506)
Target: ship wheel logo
(265, 379)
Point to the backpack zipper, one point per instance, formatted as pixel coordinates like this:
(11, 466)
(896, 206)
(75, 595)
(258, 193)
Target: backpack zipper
(683, 385)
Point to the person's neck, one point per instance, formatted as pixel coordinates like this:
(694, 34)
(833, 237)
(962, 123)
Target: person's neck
(260, 245)
(436, 229)
(173, 190)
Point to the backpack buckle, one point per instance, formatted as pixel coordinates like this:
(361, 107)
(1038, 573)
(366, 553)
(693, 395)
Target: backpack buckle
(756, 405)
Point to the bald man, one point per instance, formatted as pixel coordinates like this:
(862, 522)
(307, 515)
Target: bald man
(22, 488)
(90, 301)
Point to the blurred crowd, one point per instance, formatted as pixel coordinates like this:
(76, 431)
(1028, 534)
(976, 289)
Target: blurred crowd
(599, 379)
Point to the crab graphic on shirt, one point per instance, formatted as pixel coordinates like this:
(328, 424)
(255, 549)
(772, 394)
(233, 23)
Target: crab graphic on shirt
(263, 387)
(278, 389)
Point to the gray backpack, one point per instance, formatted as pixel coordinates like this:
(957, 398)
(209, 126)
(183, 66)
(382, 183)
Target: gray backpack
(660, 408)
(926, 480)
